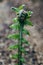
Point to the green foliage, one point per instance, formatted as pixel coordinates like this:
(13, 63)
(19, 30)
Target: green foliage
(22, 60)
(13, 36)
(28, 22)
(26, 32)
(15, 26)
(13, 47)
(21, 7)
(14, 56)
(22, 50)
(24, 41)
(15, 20)
(15, 9)
(22, 19)
(30, 13)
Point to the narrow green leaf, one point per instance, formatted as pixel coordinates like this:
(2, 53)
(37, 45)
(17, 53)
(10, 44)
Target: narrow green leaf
(30, 13)
(24, 41)
(22, 49)
(26, 32)
(15, 26)
(28, 22)
(14, 56)
(15, 9)
(14, 20)
(13, 47)
(22, 60)
(13, 36)
(21, 7)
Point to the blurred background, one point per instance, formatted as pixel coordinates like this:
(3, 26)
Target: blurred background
(36, 31)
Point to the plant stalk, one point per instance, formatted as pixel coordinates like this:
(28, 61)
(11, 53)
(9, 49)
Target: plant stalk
(20, 46)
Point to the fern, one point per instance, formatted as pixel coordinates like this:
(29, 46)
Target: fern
(23, 19)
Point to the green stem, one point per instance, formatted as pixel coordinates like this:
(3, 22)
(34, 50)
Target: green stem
(20, 47)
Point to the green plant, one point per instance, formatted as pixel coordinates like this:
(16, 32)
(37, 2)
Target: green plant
(23, 19)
